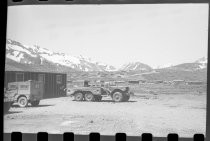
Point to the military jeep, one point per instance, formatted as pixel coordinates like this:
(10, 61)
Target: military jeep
(95, 92)
(30, 91)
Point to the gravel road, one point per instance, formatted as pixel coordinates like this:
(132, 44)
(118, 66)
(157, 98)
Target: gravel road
(156, 114)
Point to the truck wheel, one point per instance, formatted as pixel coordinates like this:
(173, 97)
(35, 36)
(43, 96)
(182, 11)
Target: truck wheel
(78, 96)
(22, 101)
(7, 106)
(89, 97)
(117, 97)
(35, 103)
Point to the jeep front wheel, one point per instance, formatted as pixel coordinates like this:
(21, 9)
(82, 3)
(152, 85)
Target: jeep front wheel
(117, 97)
(22, 101)
(89, 97)
(78, 96)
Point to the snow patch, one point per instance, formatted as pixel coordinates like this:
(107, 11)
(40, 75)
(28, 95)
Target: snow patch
(63, 60)
(202, 66)
(46, 51)
(16, 53)
(165, 66)
(16, 58)
(20, 49)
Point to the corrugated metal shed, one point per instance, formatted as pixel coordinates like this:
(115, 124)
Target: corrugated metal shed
(54, 82)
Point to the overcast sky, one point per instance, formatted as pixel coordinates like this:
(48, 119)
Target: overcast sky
(155, 34)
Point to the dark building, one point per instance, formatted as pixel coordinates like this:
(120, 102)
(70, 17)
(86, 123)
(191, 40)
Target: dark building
(54, 82)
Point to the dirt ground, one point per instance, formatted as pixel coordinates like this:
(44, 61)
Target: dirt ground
(160, 115)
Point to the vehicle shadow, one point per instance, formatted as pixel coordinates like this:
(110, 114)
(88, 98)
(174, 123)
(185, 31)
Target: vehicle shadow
(111, 101)
(12, 112)
(15, 106)
(108, 101)
(46, 105)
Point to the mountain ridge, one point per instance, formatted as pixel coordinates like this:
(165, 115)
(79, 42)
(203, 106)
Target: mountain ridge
(35, 55)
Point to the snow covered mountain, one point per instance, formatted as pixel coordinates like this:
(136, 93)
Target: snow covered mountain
(36, 55)
(136, 66)
(199, 64)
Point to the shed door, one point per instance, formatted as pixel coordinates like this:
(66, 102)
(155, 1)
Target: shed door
(59, 79)
(60, 88)
(41, 78)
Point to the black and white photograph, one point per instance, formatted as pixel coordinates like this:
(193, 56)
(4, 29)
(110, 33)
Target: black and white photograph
(114, 68)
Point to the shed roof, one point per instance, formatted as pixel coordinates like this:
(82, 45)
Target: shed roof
(11, 65)
(12, 68)
(30, 68)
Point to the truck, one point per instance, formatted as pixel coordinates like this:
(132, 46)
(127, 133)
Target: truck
(95, 92)
(25, 92)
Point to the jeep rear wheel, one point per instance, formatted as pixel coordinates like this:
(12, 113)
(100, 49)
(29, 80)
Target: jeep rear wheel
(35, 103)
(89, 97)
(22, 101)
(117, 97)
(78, 96)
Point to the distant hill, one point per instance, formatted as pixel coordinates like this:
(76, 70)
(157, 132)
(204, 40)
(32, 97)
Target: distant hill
(169, 75)
(201, 63)
(194, 71)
